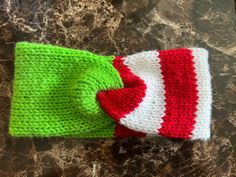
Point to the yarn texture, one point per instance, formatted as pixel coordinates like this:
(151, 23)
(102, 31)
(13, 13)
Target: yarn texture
(54, 92)
(66, 92)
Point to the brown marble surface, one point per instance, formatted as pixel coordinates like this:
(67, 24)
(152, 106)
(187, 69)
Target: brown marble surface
(123, 27)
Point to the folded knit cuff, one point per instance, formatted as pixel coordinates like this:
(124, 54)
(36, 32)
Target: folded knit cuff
(66, 92)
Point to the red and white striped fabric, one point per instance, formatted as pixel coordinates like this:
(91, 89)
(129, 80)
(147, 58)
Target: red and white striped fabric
(165, 93)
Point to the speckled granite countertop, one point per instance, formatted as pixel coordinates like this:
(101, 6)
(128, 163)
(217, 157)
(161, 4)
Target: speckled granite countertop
(123, 27)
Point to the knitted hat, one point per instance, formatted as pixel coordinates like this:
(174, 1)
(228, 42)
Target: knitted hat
(67, 92)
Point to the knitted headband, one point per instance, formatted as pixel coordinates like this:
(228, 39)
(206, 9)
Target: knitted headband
(67, 92)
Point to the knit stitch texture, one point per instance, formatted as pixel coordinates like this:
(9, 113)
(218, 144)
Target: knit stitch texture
(55, 92)
(66, 92)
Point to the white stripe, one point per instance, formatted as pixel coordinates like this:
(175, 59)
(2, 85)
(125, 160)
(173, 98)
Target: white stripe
(203, 114)
(147, 117)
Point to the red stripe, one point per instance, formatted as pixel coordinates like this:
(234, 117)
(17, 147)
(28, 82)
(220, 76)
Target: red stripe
(120, 102)
(180, 93)
(123, 132)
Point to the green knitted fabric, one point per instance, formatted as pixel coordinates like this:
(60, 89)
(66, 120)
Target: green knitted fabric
(54, 92)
